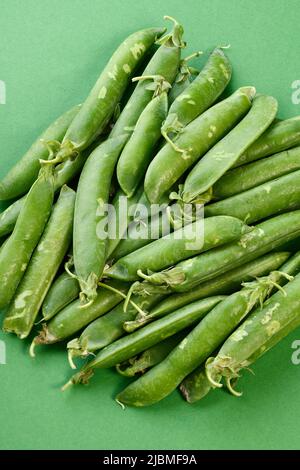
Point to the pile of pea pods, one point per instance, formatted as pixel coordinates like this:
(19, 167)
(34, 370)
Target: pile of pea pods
(176, 310)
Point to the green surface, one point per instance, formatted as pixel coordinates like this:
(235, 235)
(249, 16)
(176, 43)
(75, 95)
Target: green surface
(51, 52)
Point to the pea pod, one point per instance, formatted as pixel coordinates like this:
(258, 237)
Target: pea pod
(119, 220)
(126, 347)
(9, 216)
(226, 152)
(249, 176)
(270, 198)
(160, 381)
(194, 141)
(43, 266)
(226, 283)
(63, 291)
(200, 94)
(139, 364)
(280, 136)
(200, 236)
(164, 62)
(196, 385)
(281, 310)
(23, 174)
(90, 243)
(138, 151)
(108, 328)
(264, 238)
(107, 92)
(142, 233)
(73, 317)
(16, 253)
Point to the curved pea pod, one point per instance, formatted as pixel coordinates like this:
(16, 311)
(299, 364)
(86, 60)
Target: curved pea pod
(23, 174)
(280, 136)
(197, 385)
(200, 236)
(226, 152)
(185, 76)
(108, 328)
(279, 195)
(200, 95)
(90, 241)
(16, 253)
(63, 174)
(224, 284)
(107, 92)
(139, 364)
(160, 381)
(123, 207)
(63, 291)
(73, 317)
(281, 310)
(254, 174)
(42, 268)
(165, 62)
(142, 233)
(193, 142)
(124, 348)
(138, 151)
(264, 238)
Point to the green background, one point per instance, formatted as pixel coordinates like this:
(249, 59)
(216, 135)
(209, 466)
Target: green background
(51, 52)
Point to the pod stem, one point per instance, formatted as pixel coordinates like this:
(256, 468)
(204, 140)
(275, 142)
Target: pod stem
(124, 296)
(88, 287)
(81, 377)
(59, 152)
(158, 84)
(208, 374)
(169, 277)
(174, 38)
(231, 389)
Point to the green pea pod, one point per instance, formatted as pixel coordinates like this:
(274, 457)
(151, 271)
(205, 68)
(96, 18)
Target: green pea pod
(23, 174)
(142, 233)
(121, 222)
(200, 236)
(196, 385)
(193, 142)
(264, 238)
(108, 328)
(126, 347)
(162, 379)
(280, 136)
(90, 243)
(63, 291)
(33, 217)
(249, 176)
(43, 266)
(73, 317)
(63, 174)
(139, 364)
(223, 155)
(279, 195)
(200, 95)
(165, 62)
(281, 310)
(224, 284)
(138, 151)
(107, 92)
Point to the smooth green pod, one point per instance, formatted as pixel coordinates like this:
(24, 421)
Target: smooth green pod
(63, 291)
(226, 152)
(43, 266)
